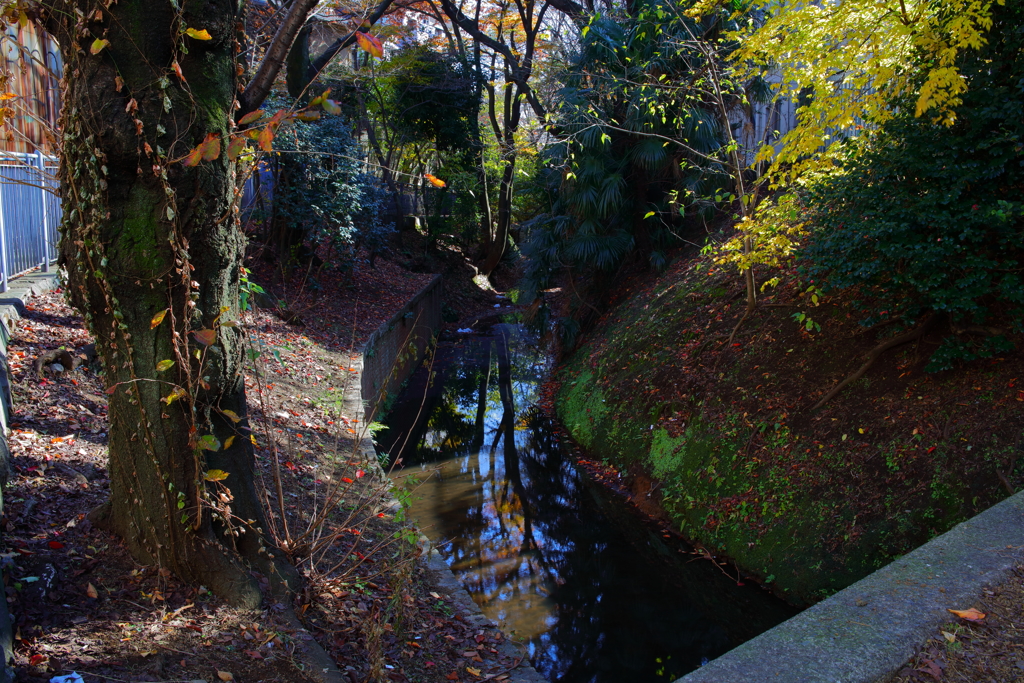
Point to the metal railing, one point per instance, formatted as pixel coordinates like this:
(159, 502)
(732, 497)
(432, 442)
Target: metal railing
(30, 212)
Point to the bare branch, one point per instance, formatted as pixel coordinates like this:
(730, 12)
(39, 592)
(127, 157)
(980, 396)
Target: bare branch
(270, 67)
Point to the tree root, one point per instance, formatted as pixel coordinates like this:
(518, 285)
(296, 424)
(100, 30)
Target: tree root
(705, 344)
(746, 314)
(873, 355)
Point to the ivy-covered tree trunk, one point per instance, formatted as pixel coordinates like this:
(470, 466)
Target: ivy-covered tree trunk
(145, 235)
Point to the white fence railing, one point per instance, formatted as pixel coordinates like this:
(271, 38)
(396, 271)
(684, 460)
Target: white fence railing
(29, 213)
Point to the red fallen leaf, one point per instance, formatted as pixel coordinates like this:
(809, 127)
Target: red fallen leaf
(253, 654)
(360, 474)
(290, 465)
(36, 659)
(968, 614)
(453, 676)
(346, 480)
(56, 545)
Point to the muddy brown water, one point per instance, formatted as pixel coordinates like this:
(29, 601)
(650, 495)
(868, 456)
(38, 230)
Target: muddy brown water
(557, 560)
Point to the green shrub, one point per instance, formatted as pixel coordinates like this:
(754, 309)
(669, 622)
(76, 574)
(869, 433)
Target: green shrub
(923, 219)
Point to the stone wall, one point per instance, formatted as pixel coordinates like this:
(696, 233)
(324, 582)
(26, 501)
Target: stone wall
(394, 351)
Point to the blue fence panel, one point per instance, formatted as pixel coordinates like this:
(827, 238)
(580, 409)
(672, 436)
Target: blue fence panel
(30, 214)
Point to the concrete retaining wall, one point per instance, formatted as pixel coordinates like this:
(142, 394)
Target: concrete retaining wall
(397, 347)
(865, 633)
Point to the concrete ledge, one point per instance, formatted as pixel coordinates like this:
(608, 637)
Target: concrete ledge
(866, 632)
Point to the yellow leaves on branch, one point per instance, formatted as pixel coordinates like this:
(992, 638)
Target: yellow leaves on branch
(855, 57)
(775, 233)
(198, 34)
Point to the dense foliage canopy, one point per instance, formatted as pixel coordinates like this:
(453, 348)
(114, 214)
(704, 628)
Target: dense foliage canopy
(924, 219)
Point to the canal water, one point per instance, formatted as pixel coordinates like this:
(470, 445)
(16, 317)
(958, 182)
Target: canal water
(556, 559)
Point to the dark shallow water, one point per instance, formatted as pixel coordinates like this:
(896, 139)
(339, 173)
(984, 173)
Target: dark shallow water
(556, 559)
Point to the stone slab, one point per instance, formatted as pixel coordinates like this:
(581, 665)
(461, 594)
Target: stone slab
(866, 632)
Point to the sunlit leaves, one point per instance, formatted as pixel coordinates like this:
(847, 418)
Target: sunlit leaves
(434, 180)
(198, 34)
(215, 475)
(370, 44)
(208, 150)
(266, 139)
(158, 318)
(98, 46)
(331, 107)
(165, 364)
(231, 415)
(228, 441)
(875, 51)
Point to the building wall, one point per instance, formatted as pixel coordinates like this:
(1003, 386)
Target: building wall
(32, 64)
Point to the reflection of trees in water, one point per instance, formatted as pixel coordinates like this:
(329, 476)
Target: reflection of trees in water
(526, 534)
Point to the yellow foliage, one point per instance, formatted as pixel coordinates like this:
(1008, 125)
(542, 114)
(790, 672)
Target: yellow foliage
(844, 62)
(855, 56)
(775, 231)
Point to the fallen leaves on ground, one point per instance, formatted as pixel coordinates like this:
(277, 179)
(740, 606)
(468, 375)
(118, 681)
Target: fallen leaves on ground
(81, 603)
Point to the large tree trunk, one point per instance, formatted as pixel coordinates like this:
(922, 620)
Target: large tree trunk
(143, 233)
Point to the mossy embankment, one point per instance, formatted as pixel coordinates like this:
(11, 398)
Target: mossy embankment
(721, 435)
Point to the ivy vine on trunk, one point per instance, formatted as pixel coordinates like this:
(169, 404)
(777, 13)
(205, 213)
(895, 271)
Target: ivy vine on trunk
(153, 251)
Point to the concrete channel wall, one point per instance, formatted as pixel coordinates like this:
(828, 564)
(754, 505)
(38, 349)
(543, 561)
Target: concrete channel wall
(866, 632)
(389, 357)
(394, 351)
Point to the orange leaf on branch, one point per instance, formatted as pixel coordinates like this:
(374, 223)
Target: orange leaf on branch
(370, 44)
(205, 337)
(199, 34)
(235, 147)
(250, 117)
(434, 180)
(266, 139)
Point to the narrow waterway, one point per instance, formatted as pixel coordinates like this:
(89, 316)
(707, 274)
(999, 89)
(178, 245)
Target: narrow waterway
(596, 592)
